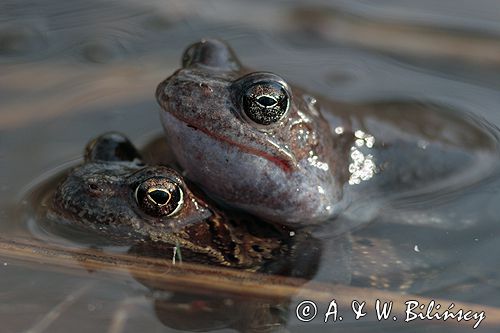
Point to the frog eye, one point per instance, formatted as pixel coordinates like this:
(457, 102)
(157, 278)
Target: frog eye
(264, 98)
(211, 53)
(112, 147)
(159, 197)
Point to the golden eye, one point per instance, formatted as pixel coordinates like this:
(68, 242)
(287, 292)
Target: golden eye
(265, 102)
(263, 98)
(159, 196)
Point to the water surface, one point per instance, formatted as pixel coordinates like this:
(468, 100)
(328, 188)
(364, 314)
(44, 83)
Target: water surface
(70, 71)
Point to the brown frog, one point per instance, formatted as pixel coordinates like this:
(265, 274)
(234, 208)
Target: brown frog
(254, 142)
(115, 196)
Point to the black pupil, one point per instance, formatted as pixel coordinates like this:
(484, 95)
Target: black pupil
(266, 101)
(160, 197)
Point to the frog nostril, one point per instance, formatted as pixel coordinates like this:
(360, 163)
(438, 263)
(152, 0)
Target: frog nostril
(211, 53)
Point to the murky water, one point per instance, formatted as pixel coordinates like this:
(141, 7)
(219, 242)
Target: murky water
(70, 71)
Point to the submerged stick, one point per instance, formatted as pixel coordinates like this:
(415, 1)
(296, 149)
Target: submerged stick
(207, 280)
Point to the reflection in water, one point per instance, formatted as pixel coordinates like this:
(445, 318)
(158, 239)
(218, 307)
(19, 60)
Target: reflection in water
(200, 312)
(80, 204)
(362, 166)
(377, 261)
(73, 70)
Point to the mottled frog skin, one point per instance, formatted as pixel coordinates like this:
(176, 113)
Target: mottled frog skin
(253, 141)
(114, 195)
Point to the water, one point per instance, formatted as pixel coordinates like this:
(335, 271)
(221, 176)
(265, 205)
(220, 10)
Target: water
(70, 71)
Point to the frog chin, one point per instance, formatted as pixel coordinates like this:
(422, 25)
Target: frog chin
(251, 182)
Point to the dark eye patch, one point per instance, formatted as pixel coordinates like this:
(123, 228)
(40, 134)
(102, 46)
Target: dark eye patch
(267, 101)
(160, 197)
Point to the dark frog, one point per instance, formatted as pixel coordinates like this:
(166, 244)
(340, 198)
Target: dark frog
(114, 198)
(253, 141)
(113, 195)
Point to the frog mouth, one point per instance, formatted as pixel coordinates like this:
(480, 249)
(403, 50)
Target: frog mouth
(282, 158)
(287, 164)
(261, 146)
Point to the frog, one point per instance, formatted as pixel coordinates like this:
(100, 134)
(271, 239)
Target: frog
(115, 196)
(253, 141)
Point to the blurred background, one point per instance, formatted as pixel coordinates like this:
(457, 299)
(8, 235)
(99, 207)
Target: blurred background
(70, 70)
